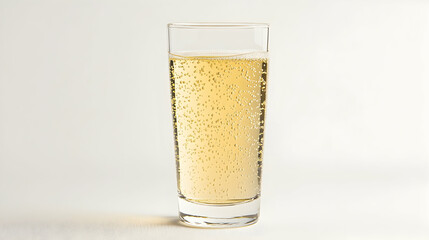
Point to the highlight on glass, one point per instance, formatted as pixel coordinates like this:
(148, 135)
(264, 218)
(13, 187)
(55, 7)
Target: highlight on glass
(218, 77)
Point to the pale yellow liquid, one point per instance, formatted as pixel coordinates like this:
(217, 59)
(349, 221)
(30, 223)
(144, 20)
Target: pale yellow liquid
(218, 111)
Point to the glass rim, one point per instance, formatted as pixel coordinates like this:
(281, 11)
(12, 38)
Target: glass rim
(224, 25)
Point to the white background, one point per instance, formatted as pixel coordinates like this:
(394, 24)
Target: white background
(86, 127)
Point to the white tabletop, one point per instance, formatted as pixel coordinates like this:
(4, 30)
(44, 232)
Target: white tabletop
(298, 202)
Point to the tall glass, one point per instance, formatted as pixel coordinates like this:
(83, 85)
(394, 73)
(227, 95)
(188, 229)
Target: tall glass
(218, 74)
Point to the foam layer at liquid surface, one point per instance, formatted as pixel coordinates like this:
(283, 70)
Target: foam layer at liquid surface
(219, 55)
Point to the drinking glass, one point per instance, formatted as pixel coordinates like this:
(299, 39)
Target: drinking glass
(218, 77)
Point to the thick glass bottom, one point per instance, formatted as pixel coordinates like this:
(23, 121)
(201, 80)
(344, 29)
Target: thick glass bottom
(218, 216)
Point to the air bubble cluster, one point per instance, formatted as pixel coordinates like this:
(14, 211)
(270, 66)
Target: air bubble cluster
(218, 112)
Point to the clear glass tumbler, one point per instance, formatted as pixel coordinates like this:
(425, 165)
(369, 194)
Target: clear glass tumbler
(218, 74)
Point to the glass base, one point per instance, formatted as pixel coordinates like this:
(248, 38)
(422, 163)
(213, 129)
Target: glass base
(218, 216)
